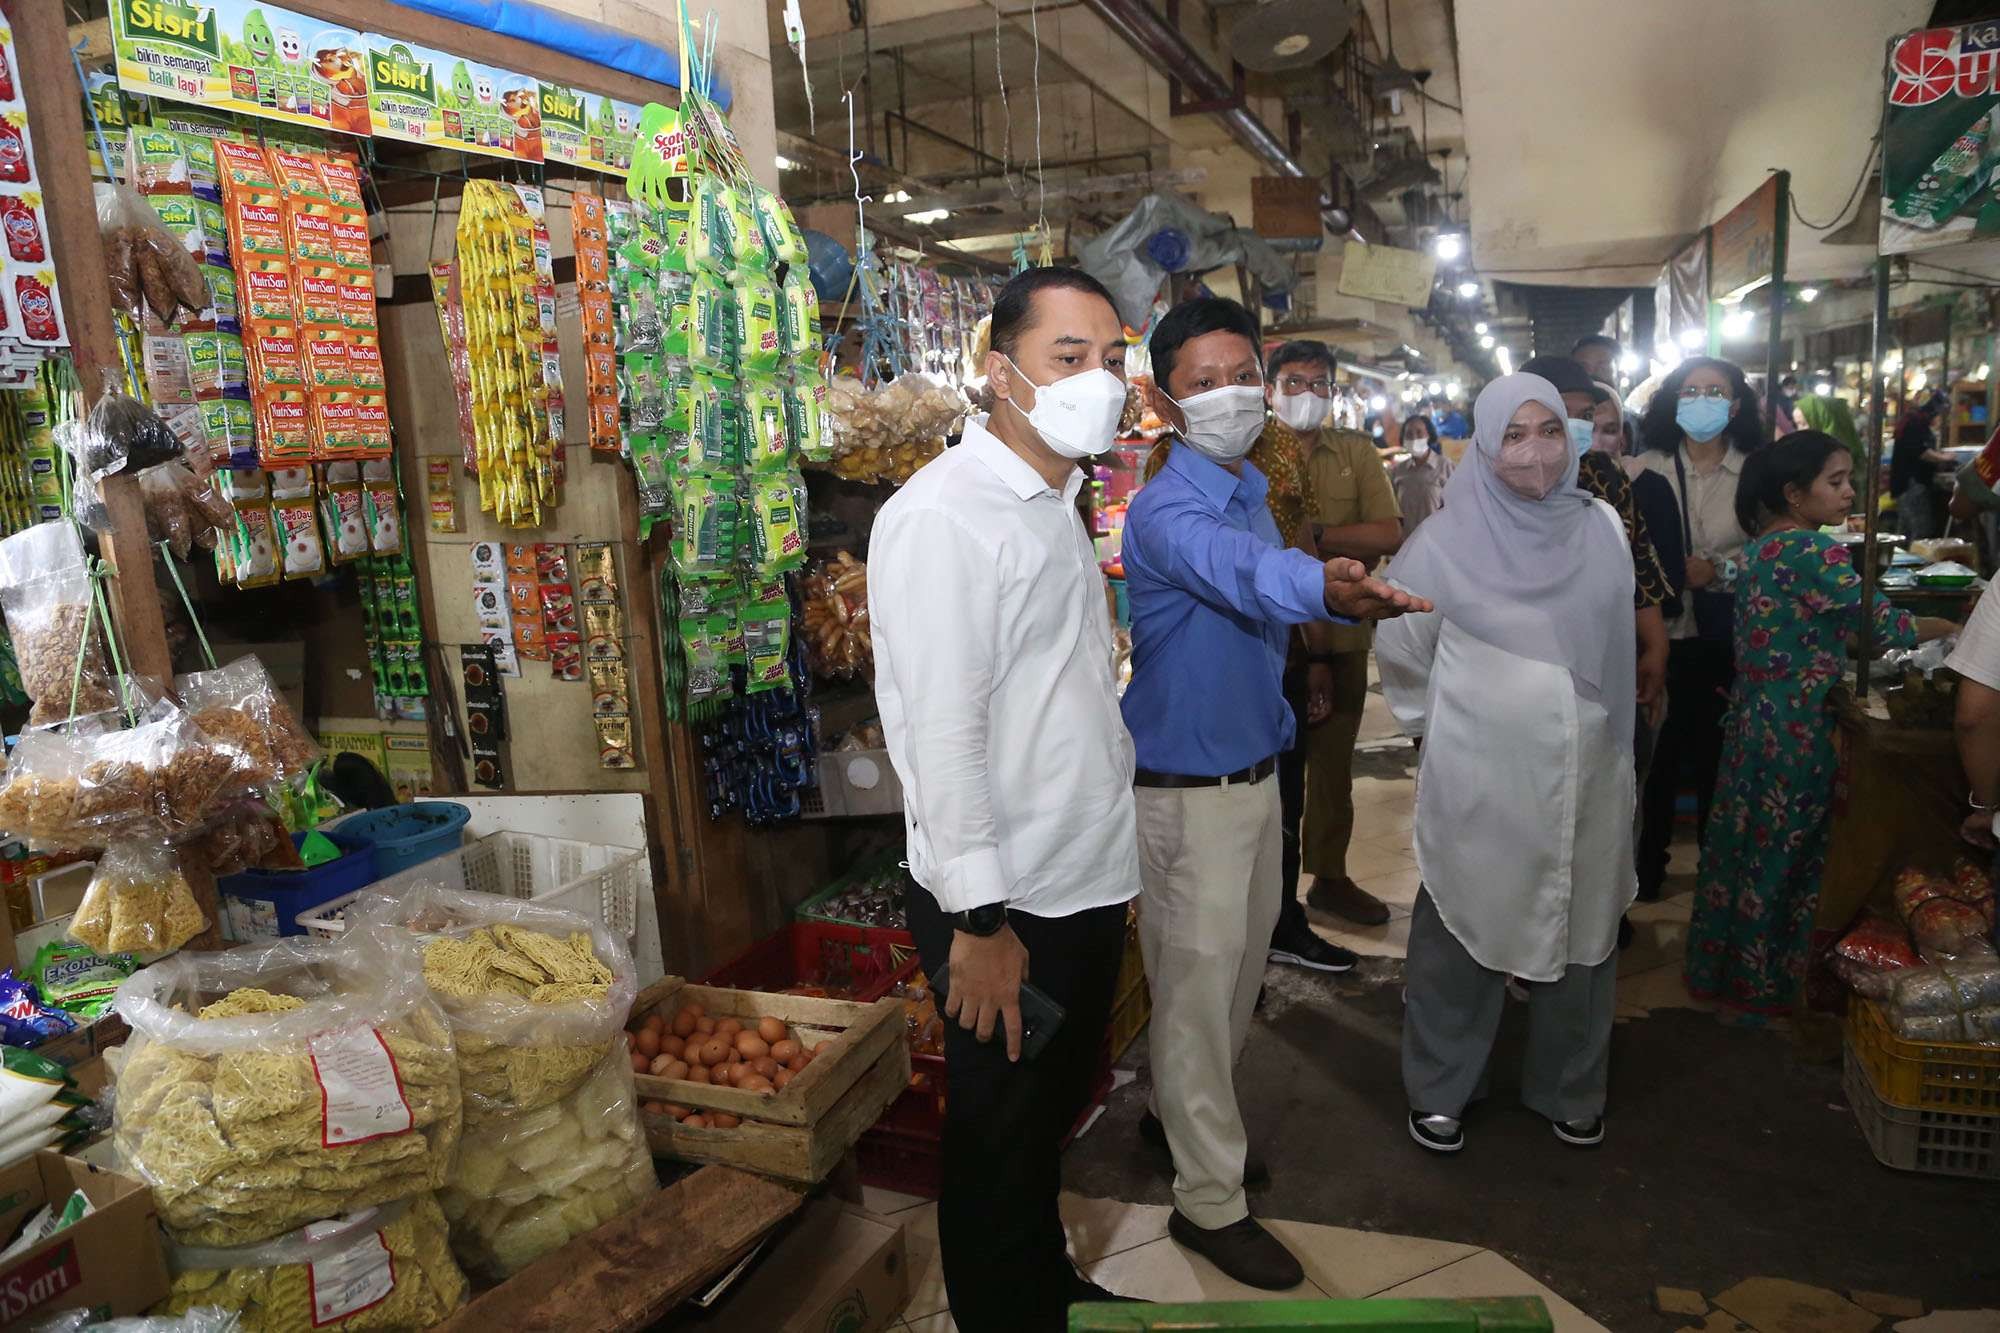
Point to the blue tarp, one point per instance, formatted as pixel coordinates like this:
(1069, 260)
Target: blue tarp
(582, 38)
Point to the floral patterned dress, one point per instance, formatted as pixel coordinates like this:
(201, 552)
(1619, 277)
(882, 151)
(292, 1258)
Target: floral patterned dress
(1797, 599)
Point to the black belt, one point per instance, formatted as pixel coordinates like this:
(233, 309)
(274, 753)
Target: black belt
(1257, 772)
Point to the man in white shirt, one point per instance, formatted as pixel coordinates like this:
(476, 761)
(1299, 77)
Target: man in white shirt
(993, 675)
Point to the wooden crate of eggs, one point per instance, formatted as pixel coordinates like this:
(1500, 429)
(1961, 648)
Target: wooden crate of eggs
(778, 1084)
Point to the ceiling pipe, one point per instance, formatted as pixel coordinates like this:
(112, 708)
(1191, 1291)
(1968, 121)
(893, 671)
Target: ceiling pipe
(1149, 33)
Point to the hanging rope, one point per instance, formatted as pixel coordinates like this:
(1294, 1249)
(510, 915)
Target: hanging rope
(200, 635)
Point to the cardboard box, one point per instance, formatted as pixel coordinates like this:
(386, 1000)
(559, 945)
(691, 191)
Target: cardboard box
(836, 1270)
(110, 1262)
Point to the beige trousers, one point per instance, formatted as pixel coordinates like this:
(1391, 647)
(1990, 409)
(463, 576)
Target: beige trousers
(1209, 871)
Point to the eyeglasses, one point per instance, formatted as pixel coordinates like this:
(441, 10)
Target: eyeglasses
(1689, 393)
(1300, 384)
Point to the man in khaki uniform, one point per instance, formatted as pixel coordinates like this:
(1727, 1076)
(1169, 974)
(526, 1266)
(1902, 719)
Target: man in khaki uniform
(1353, 513)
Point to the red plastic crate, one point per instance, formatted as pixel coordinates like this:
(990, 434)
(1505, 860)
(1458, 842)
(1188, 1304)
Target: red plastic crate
(851, 962)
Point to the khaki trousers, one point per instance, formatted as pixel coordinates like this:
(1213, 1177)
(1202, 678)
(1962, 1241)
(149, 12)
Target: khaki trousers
(1209, 873)
(1330, 770)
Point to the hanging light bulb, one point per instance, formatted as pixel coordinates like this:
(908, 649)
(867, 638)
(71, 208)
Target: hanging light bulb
(1486, 340)
(1448, 245)
(1480, 327)
(1468, 289)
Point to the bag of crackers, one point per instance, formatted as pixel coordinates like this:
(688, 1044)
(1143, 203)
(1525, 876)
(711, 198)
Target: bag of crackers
(283, 1083)
(387, 1267)
(240, 707)
(46, 594)
(536, 998)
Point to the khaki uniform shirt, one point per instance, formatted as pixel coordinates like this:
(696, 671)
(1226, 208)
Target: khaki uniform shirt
(1345, 484)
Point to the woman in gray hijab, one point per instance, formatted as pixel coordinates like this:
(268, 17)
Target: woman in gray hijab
(1522, 685)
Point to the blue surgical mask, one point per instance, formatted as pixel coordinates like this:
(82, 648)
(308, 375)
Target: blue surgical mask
(1580, 434)
(1702, 419)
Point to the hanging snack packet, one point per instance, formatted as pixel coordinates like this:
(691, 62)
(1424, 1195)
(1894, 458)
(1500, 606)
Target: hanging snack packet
(645, 400)
(675, 302)
(305, 555)
(777, 530)
(767, 438)
(385, 528)
(76, 980)
(766, 630)
(705, 644)
(254, 551)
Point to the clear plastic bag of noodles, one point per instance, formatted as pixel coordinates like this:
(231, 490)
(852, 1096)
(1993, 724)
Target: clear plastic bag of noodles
(529, 1183)
(384, 1268)
(138, 901)
(535, 996)
(240, 707)
(198, 1319)
(284, 1083)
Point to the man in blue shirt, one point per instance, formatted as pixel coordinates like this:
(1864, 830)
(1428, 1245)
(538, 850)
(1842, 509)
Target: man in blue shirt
(1214, 593)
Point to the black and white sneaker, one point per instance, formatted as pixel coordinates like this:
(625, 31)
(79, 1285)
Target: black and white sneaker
(1297, 946)
(1439, 1133)
(1579, 1133)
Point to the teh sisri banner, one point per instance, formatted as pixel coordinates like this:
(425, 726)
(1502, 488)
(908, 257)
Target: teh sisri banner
(1940, 144)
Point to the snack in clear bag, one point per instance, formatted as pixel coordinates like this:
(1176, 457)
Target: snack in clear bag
(182, 509)
(1946, 1002)
(386, 1267)
(1868, 957)
(535, 995)
(241, 709)
(46, 593)
(321, 1081)
(834, 610)
(138, 901)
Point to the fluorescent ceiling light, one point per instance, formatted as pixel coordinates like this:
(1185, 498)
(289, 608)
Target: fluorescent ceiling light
(1448, 245)
(928, 215)
(1808, 294)
(1468, 289)
(896, 197)
(1736, 323)
(1823, 389)
(1692, 338)
(1377, 403)
(1486, 340)
(785, 163)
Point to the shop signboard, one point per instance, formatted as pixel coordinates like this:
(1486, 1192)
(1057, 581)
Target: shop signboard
(611, 134)
(421, 95)
(1385, 273)
(255, 59)
(565, 125)
(1745, 245)
(1939, 141)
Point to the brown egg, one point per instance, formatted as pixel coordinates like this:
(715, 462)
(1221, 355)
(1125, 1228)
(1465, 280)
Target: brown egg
(640, 1064)
(766, 1066)
(696, 1008)
(648, 1042)
(784, 1051)
(758, 1084)
(650, 1108)
(798, 1062)
(721, 1120)
(749, 1045)
(655, 1022)
(672, 1045)
(695, 1122)
(781, 1078)
(728, 1027)
(737, 1073)
(696, 1074)
(771, 1030)
(714, 1051)
(683, 1023)
(705, 1026)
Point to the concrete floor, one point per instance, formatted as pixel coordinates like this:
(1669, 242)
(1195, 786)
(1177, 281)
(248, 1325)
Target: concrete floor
(1730, 1155)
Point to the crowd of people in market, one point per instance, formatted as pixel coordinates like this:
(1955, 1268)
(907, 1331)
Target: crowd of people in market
(1588, 613)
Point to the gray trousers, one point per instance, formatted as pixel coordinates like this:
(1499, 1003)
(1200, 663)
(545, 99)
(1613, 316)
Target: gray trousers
(1452, 1014)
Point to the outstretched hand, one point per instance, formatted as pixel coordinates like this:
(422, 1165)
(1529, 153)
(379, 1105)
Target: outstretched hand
(1352, 593)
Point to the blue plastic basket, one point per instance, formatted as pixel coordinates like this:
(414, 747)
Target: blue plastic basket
(407, 835)
(264, 904)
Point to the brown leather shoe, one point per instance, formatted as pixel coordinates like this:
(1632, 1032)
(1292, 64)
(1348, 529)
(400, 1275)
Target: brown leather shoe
(1343, 897)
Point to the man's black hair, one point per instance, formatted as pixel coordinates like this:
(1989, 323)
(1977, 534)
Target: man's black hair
(1014, 307)
(1300, 350)
(1594, 340)
(1191, 319)
(1562, 371)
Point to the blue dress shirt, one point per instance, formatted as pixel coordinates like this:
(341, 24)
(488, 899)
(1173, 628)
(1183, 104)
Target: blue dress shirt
(1214, 593)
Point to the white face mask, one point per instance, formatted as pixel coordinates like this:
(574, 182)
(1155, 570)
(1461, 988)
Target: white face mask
(1223, 423)
(1301, 411)
(1077, 417)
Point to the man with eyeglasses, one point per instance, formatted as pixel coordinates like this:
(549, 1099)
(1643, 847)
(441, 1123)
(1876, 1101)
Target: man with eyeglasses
(1330, 496)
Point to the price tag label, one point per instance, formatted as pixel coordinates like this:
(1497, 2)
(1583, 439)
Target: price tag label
(351, 1280)
(361, 1094)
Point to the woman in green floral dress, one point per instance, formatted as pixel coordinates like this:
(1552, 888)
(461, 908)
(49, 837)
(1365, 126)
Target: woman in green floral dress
(1798, 598)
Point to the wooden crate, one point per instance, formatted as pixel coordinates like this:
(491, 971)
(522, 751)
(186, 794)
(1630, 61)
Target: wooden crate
(803, 1131)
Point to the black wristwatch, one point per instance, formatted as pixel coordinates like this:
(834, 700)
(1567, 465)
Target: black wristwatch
(984, 920)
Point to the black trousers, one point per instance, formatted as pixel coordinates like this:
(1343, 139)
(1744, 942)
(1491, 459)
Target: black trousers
(1006, 1269)
(1292, 810)
(1699, 674)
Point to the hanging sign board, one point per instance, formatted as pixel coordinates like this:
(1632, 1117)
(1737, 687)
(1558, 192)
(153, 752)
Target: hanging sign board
(611, 135)
(1939, 141)
(565, 114)
(1384, 273)
(1285, 207)
(258, 60)
(422, 95)
(1745, 245)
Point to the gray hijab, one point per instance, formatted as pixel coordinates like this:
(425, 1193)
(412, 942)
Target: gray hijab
(1548, 579)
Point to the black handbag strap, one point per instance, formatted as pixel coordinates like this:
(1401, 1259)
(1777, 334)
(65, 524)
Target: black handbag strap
(1687, 525)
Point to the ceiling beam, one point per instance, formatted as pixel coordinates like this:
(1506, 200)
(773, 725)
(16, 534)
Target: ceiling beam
(1179, 178)
(951, 24)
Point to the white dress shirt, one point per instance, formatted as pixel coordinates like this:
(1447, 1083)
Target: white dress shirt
(993, 673)
(1523, 832)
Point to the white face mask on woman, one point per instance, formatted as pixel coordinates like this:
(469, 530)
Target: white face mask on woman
(1077, 416)
(1301, 411)
(1223, 423)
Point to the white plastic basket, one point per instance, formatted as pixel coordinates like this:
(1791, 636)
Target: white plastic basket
(595, 881)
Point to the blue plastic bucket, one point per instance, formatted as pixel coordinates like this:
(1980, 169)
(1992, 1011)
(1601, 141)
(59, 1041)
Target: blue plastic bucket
(265, 904)
(407, 835)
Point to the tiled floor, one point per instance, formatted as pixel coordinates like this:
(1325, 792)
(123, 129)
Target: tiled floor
(1124, 1246)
